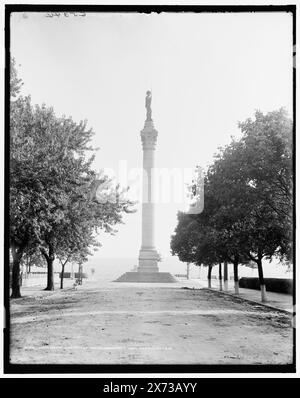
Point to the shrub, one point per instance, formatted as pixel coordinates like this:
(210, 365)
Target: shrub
(278, 285)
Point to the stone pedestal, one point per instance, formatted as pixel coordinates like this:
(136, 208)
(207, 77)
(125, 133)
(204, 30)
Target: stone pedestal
(147, 277)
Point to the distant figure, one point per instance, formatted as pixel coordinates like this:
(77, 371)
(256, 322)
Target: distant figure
(148, 105)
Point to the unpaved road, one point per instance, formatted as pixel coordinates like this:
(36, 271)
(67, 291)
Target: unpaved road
(120, 323)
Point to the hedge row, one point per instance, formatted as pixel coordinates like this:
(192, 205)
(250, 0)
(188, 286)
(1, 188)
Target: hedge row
(76, 275)
(277, 285)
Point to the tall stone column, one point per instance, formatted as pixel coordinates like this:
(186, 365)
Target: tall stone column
(147, 270)
(148, 255)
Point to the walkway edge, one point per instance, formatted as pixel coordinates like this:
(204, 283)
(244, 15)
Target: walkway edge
(249, 300)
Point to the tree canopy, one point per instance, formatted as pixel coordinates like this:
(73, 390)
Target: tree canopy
(53, 207)
(248, 191)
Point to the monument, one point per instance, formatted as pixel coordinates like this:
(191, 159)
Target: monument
(147, 270)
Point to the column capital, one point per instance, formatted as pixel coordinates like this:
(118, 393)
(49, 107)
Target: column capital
(149, 135)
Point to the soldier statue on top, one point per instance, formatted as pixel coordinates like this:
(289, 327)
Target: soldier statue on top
(148, 106)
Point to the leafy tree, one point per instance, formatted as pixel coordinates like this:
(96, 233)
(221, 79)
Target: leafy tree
(74, 214)
(185, 239)
(52, 184)
(224, 218)
(15, 82)
(269, 166)
(75, 254)
(248, 200)
(39, 167)
(194, 243)
(32, 258)
(26, 198)
(242, 179)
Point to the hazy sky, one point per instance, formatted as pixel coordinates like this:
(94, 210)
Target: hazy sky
(206, 72)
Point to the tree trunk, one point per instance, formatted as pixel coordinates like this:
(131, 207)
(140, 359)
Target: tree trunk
(16, 275)
(188, 271)
(80, 274)
(220, 276)
(261, 280)
(50, 274)
(27, 266)
(62, 276)
(209, 276)
(50, 271)
(225, 276)
(236, 276)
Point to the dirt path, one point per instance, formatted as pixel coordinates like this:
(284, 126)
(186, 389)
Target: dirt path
(137, 324)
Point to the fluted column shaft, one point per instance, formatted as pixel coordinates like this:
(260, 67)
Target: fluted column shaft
(148, 205)
(148, 255)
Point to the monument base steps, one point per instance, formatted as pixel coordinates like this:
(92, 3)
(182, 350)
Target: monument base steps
(144, 277)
